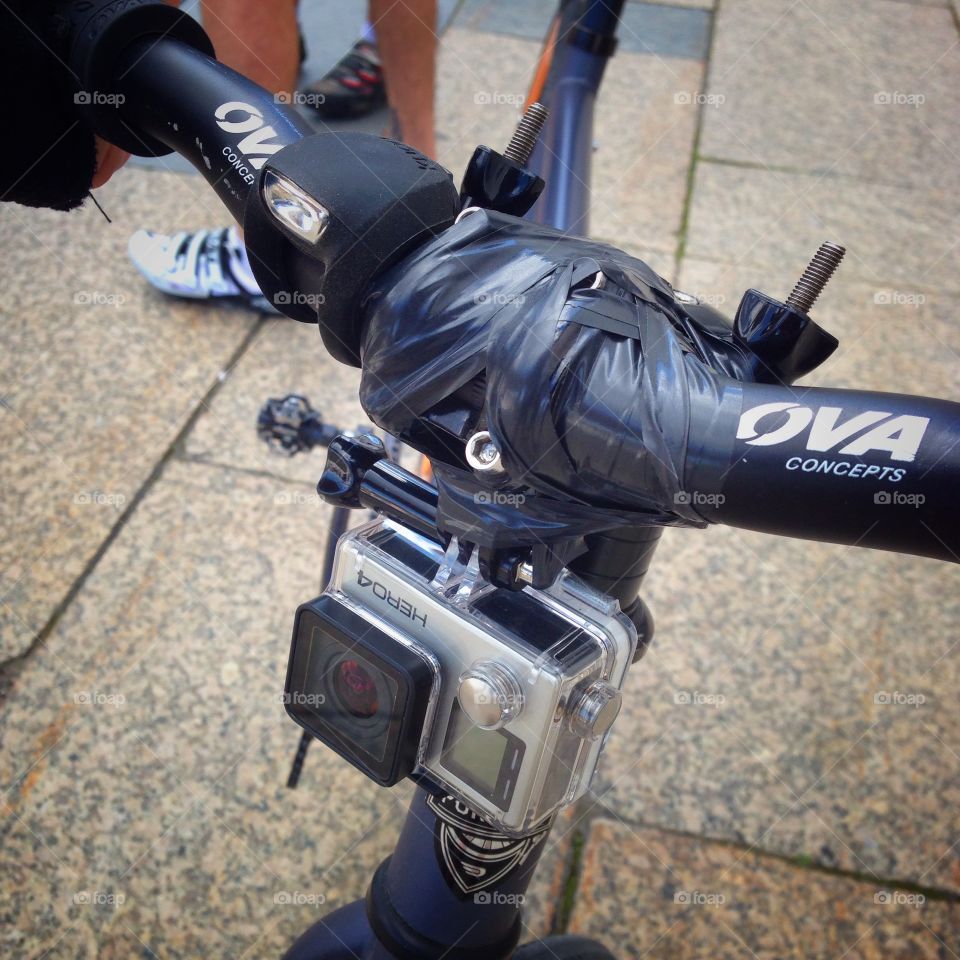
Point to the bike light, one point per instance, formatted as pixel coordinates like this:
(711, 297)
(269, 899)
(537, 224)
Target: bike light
(297, 211)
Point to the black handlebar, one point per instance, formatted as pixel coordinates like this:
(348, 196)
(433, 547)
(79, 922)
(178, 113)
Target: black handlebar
(845, 466)
(223, 123)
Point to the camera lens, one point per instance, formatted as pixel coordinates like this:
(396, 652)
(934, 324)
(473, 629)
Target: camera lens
(356, 689)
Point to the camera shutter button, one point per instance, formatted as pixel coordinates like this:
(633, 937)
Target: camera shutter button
(595, 710)
(489, 695)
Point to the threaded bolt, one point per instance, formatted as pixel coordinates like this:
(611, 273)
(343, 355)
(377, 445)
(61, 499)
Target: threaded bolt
(525, 137)
(815, 277)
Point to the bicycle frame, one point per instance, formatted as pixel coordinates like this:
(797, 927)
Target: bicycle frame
(569, 87)
(453, 886)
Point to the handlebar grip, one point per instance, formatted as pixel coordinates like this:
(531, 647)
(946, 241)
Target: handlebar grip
(861, 468)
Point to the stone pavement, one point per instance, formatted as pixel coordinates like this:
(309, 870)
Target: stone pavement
(785, 778)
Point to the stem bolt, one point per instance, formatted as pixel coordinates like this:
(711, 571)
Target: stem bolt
(815, 277)
(482, 453)
(525, 137)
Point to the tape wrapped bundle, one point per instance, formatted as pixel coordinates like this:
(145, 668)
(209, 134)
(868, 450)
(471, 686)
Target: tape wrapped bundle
(585, 366)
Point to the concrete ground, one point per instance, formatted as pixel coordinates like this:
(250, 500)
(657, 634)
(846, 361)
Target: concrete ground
(785, 779)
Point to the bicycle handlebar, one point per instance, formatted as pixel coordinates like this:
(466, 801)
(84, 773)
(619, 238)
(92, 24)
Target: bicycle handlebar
(852, 467)
(845, 466)
(226, 127)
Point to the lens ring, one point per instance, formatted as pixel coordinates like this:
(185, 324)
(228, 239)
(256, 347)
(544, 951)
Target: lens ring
(356, 688)
(361, 723)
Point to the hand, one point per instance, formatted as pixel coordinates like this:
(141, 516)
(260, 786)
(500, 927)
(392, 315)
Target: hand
(109, 160)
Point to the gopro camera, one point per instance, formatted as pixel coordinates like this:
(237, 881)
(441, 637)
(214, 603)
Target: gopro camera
(411, 664)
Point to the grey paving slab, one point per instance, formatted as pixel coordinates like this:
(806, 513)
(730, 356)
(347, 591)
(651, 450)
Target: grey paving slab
(896, 237)
(665, 30)
(482, 81)
(644, 127)
(99, 375)
(902, 340)
(865, 89)
(287, 357)
(695, 4)
(799, 697)
(145, 746)
(649, 894)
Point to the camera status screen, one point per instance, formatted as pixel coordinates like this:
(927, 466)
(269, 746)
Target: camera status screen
(488, 760)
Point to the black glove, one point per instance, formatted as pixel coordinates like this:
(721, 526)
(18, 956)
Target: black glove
(49, 155)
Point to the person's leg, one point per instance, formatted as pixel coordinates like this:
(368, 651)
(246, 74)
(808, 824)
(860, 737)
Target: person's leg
(258, 38)
(407, 41)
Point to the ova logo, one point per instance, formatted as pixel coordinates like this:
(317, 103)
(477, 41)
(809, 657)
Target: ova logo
(239, 117)
(900, 436)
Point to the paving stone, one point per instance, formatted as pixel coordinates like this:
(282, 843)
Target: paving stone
(799, 697)
(896, 238)
(696, 4)
(286, 357)
(145, 746)
(650, 894)
(902, 340)
(645, 132)
(645, 127)
(100, 374)
(660, 29)
(865, 89)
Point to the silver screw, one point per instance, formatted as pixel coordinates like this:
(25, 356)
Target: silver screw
(482, 453)
(815, 277)
(525, 137)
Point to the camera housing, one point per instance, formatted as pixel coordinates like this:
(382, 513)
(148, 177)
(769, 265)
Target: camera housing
(411, 664)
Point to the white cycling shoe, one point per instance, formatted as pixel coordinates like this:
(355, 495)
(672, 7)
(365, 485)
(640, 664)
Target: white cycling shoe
(206, 265)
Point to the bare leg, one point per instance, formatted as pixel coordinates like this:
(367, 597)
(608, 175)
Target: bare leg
(407, 41)
(258, 38)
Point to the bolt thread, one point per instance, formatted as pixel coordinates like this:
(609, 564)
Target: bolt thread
(525, 137)
(815, 277)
